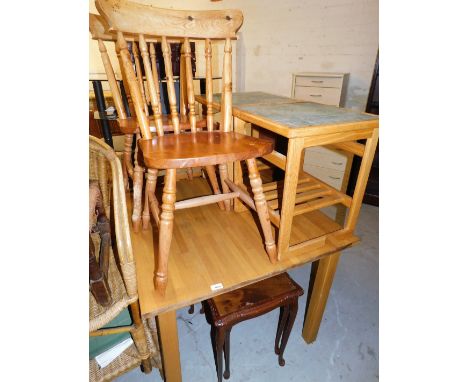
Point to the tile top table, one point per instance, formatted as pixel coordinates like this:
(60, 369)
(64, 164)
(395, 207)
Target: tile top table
(307, 124)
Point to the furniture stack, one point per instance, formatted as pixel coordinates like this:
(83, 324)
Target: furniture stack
(186, 254)
(110, 303)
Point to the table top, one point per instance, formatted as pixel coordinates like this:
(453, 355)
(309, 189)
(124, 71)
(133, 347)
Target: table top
(210, 246)
(294, 118)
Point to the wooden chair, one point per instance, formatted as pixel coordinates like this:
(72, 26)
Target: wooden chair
(228, 309)
(129, 124)
(170, 152)
(105, 171)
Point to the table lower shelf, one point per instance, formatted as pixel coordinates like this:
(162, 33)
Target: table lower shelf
(211, 246)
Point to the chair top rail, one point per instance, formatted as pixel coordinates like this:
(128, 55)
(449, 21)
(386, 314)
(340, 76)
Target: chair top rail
(133, 18)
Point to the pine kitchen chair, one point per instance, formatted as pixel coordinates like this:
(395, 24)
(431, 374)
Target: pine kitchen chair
(129, 124)
(182, 150)
(105, 170)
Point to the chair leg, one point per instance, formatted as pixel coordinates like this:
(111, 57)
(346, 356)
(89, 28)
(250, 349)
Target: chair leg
(127, 160)
(227, 348)
(283, 317)
(223, 175)
(166, 224)
(150, 189)
(219, 344)
(262, 209)
(210, 171)
(137, 196)
(287, 331)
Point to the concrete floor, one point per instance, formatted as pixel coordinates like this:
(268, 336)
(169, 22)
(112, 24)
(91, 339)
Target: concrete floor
(347, 347)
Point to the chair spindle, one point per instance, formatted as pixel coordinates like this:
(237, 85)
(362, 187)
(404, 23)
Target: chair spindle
(151, 81)
(170, 85)
(209, 85)
(189, 84)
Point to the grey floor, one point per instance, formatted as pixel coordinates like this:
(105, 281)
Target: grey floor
(347, 345)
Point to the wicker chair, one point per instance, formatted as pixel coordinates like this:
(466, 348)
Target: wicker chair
(105, 167)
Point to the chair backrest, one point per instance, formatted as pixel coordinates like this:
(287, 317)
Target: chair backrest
(132, 21)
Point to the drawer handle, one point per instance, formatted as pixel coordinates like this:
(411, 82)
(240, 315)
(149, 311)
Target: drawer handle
(333, 177)
(337, 163)
(315, 95)
(316, 81)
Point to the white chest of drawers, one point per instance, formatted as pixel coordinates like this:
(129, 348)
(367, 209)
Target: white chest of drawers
(330, 166)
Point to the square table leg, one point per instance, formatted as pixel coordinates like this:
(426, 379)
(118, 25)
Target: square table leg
(321, 280)
(169, 339)
(293, 167)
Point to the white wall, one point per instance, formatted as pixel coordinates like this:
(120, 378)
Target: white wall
(280, 37)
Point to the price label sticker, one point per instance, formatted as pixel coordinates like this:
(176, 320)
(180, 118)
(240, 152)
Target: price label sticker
(216, 286)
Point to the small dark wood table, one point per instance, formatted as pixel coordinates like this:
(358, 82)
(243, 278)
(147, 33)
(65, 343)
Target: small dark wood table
(228, 309)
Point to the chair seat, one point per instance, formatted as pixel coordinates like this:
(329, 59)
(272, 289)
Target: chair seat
(252, 300)
(201, 149)
(130, 125)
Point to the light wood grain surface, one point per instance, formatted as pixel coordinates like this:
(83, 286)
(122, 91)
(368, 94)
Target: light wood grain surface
(211, 246)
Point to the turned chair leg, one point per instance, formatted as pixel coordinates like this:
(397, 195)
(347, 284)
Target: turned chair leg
(262, 209)
(150, 189)
(166, 224)
(210, 171)
(224, 175)
(137, 196)
(127, 160)
(227, 346)
(287, 331)
(220, 334)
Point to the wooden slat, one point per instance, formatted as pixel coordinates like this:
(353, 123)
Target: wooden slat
(304, 196)
(352, 147)
(204, 200)
(189, 84)
(279, 184)
(334, 138)
(271, 195)
(317, 204)
(276, 158)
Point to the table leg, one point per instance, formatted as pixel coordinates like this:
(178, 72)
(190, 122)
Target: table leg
(321, 280)
(169, 340)
(293, 167)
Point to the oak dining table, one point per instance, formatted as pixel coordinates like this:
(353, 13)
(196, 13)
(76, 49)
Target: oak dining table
(228, 251)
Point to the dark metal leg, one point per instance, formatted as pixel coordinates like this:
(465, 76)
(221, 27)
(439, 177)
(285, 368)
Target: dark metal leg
(283, 317)
(227, 347)
(125, 99)
(219, 335)
(101, 105)
(287, 331)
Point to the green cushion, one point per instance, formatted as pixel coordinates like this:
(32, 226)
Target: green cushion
(100, 344)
